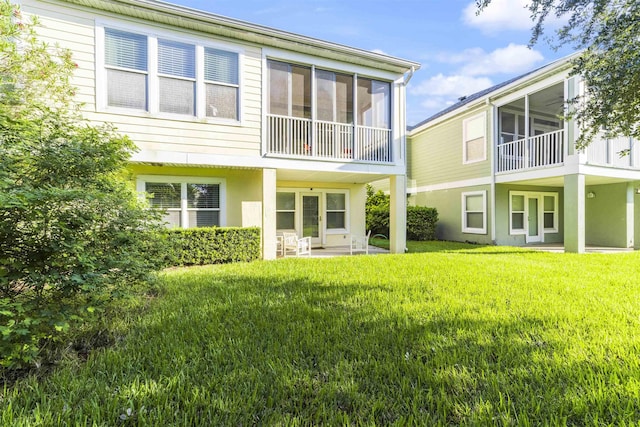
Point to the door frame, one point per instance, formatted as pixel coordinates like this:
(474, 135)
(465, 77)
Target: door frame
(537, 238)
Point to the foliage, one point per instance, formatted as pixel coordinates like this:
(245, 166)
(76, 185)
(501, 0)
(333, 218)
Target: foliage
(610, 62)
(377, 212)
(212, 245)
(465, 335)
(421, 223)
(72, 231)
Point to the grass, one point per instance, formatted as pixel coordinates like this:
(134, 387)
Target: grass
(458, 334)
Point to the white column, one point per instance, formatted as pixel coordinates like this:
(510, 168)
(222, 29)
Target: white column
(398, 214)
(574, 213)
(269, 214)
(630, 215)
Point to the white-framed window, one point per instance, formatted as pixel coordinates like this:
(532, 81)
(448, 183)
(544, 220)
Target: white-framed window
(474, 144)
(336, 211)
(189, 201)
(168, 75)
(474, 212)
(519, 214)
(285, 210)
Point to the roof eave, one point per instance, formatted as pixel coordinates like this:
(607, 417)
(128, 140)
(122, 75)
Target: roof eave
(185, 17)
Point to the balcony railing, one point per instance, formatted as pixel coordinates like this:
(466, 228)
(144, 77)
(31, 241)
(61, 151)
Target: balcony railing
(619, 153)
(532, 152)
(290, 136)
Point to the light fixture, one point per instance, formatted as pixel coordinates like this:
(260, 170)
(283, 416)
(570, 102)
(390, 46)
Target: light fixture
(637, 190)
(591, 195)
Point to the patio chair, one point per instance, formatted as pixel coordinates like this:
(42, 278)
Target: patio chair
(293, 245)
(360, 243)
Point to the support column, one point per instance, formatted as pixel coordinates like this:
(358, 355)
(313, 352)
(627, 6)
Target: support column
(269, 213)
(630, 215)
(398, 214)
(574, 213)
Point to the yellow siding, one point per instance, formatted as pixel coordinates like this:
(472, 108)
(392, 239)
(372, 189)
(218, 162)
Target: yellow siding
(74, 28)
(435, 154)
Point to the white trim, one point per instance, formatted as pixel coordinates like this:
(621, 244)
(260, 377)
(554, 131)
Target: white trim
(153, 34)
(451, 185)
(540, 195)
(465, 228)
(347, 223)
(184, 180)
(483, 117)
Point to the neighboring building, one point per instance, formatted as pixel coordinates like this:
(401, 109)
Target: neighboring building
(501, 167)
(240, 124)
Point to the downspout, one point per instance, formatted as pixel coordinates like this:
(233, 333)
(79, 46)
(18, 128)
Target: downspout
(492, 145)
(403, 123)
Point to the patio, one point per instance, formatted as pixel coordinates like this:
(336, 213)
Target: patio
(559, 248)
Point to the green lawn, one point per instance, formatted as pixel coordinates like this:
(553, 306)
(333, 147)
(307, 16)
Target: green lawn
(460, 335)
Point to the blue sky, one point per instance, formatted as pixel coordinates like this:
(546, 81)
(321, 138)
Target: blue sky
(460, 53)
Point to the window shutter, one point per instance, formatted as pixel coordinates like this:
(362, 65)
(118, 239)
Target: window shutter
(221, 66)
(176, 59)
(125, 50)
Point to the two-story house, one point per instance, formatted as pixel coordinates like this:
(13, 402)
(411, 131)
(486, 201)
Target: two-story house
(501, 167)
(239, 124)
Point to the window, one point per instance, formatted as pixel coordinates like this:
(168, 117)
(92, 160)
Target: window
(474, 214)
(188, 202)
(185, 78)
(126, 64)
(550, 205)
(177, 77)
(334, 97)
(474, 145)
(336, 211)
(285, 211)
(517, 213)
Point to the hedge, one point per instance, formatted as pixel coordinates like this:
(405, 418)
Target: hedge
(211, 245)
(421, 222)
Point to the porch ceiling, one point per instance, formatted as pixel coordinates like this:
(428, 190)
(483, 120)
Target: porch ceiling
(323, 176)
(558, 181)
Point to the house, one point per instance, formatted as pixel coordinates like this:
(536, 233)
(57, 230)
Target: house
(239, 124)
(501, 167)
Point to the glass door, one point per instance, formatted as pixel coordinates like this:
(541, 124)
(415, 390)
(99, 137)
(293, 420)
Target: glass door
(534, 230)
(311, 218)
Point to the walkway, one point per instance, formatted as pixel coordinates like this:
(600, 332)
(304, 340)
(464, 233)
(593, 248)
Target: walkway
(559, 248)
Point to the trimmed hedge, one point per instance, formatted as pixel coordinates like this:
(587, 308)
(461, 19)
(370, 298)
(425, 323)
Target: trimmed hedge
(421, 223)
(212, 245)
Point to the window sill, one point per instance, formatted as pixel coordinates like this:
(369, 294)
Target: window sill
(474, 231)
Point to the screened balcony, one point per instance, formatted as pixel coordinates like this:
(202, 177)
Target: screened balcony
(324, 115)
(622, 152)
(531, 131)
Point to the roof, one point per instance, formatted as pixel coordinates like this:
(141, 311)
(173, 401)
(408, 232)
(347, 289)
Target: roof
(493, 90)
(193, 19)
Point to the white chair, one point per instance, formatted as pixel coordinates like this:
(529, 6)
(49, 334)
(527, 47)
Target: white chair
(292, 245)
(360, 243)
(279, 246)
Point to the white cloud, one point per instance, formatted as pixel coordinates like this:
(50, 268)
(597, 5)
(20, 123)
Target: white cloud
(515, 58)
(499, 15)
(380, 51)
(450, 86)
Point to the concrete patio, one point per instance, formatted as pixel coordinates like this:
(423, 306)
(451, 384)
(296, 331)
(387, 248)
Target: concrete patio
(559, 248)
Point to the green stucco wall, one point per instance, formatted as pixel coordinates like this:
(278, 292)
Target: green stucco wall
(606, 215)
(449, 206)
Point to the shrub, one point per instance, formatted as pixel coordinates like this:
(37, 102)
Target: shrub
(72, 230)
(212, 245)
(377, 212)
(421, 223)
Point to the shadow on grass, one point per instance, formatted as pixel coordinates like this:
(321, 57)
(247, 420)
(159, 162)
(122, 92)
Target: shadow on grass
(223, 347)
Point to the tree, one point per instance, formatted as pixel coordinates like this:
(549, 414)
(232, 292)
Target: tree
(606, 32)
(73, 232)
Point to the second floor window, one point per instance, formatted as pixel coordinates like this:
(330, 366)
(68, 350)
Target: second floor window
(177, 80)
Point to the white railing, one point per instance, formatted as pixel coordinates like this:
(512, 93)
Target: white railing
(533, 152)
(373, 144)
(292, 136)
(619, 153)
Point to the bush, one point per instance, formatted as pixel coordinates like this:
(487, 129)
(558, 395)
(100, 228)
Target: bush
(377, 212)
(421, 223)
(212, 245)
(72, 229)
